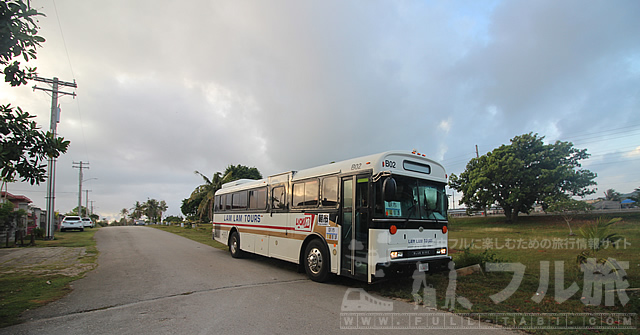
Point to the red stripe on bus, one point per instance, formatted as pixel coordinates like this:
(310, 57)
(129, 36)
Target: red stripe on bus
(254, 226)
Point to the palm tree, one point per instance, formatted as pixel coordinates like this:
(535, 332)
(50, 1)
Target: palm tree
(136, 211)
(207, 192)
(151, 209)
(124, 212)
(612, 195)
(163, 208)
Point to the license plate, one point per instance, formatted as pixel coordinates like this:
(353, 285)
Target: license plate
(423, 267)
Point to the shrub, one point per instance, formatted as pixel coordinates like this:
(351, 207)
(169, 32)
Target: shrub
(468, 258)
(38, 232)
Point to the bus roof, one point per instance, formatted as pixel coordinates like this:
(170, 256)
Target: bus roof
(408, 163)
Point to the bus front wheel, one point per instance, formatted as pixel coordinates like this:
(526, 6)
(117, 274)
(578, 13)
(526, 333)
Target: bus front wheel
(316, 261)
(234, 245)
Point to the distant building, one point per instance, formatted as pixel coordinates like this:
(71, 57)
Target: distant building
(628, 203)
(601, 205)
(19, 202)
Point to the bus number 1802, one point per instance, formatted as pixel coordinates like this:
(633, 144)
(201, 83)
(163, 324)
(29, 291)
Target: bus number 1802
(389, 164)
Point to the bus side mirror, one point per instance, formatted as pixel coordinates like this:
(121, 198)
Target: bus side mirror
(389, 189)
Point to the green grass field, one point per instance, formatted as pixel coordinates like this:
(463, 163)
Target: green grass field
(200, 234)
(532, 242)
(20, 291)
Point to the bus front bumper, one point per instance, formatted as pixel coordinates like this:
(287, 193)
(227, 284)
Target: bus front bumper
(408, 267)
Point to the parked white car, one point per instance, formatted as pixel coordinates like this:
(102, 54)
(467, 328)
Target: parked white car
(71, 222)
(88, 223)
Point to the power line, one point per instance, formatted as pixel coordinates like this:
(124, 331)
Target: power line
(613, 162)
(64, 44)
(614, 130)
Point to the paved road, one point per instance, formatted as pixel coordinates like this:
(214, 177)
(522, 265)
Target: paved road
(152, 282)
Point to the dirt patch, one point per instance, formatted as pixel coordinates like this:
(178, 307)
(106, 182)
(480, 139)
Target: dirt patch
(45, 261)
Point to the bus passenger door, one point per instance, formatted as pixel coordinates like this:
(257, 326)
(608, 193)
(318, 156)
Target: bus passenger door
(355, 235)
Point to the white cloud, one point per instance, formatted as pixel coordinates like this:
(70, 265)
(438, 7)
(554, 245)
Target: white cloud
(633, 153)
(166, 89)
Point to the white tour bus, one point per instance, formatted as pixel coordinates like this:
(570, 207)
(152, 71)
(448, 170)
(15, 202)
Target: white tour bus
(367, 218)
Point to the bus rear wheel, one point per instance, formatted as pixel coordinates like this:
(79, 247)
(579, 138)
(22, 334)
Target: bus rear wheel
(234, 245)
(316, 261)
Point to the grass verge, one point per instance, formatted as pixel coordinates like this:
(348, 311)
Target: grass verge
(21, 289)
(531, 242)
(202, 234)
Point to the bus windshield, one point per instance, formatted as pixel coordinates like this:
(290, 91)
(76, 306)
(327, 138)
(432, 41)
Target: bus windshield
(415, 199)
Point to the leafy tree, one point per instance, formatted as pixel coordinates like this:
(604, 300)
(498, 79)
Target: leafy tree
(206, 192)
(568, 208)
(236, 172)
(163, 208)
(174, 219)
(612, 195)
(18, 36)
(523, 173)
(7, 217)
(75, 211)
(153, 209)
(189, 206)
(636, 195)
(23, 147)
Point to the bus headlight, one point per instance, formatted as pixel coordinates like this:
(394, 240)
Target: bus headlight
(441, 251)
(395, 254)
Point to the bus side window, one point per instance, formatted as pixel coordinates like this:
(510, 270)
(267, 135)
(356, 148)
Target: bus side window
(305, 194)
(216, 203)
(227, 204)
(262, 198)
(330, 192)
(240, 200)
(258, 198)
(278, 200)
(223, 199)
(298, 194)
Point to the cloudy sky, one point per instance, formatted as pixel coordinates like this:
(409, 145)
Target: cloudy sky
(169, 87)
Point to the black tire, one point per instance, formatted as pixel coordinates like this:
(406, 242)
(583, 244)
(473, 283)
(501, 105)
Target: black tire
(62, 230)
(81, 229)
(316, 261)
(234, 245)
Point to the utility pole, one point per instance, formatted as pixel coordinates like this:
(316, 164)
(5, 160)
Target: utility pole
(80, 166)
(51, 167)
(87, 201)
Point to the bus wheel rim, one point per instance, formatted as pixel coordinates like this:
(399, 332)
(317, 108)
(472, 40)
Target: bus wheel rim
(234, 245)
(314, 259)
